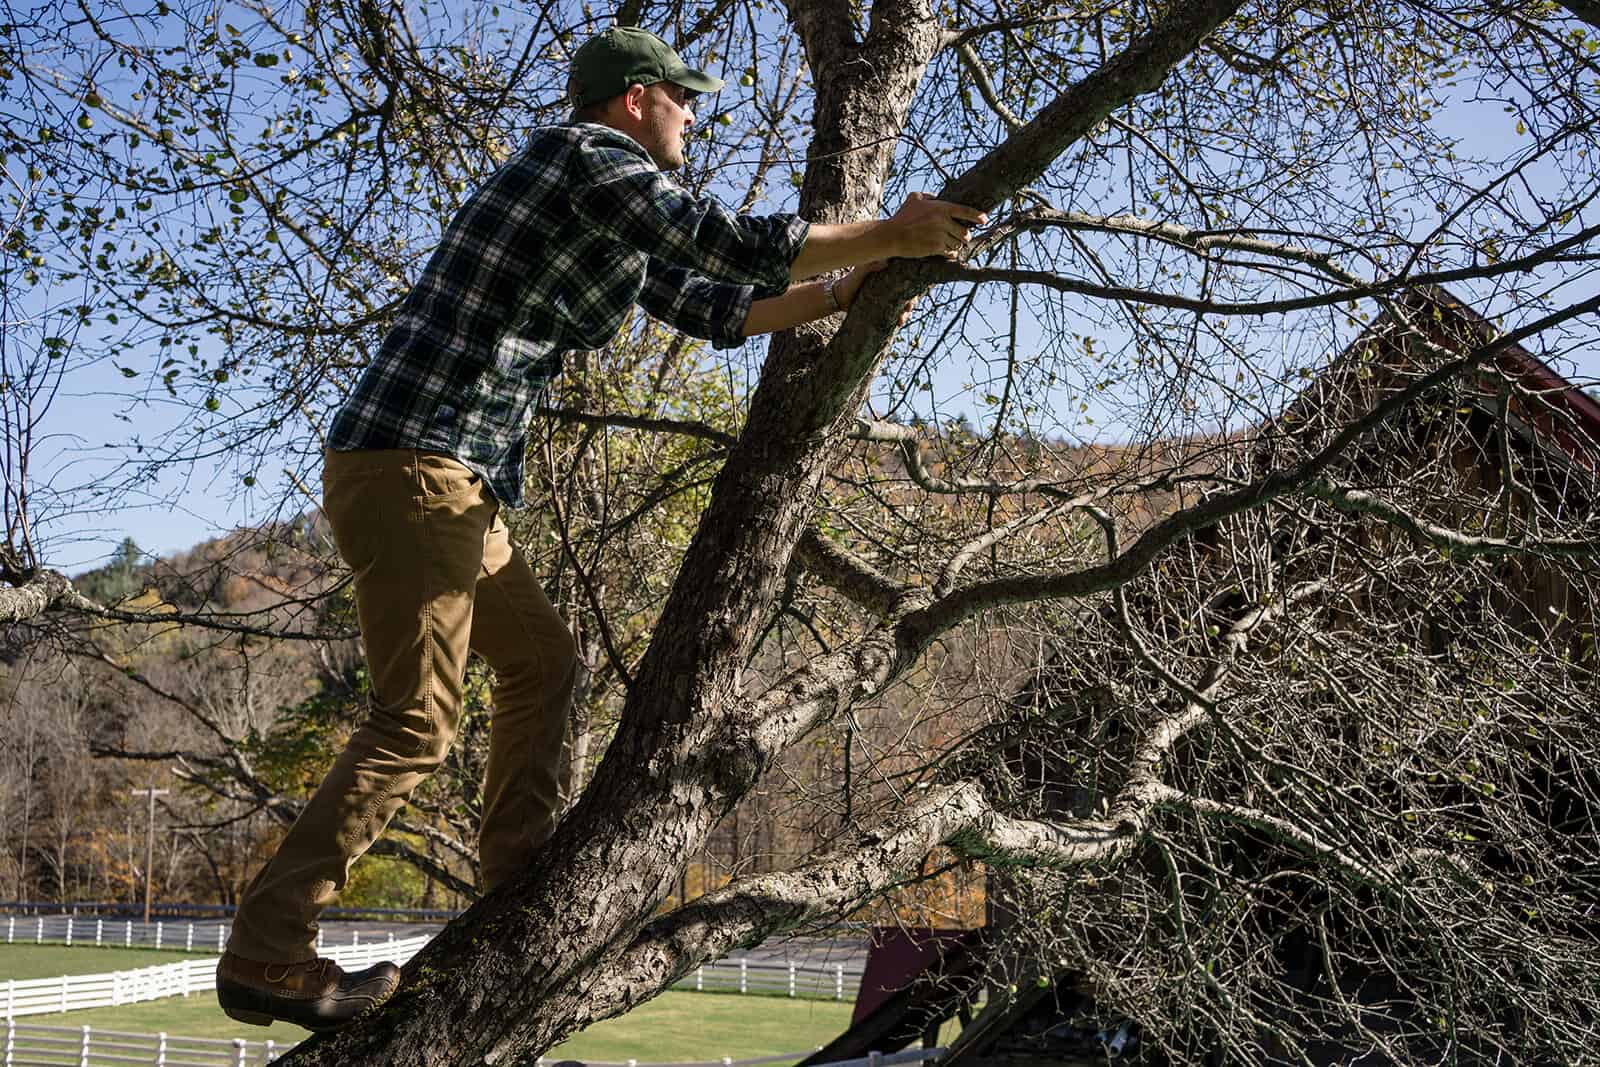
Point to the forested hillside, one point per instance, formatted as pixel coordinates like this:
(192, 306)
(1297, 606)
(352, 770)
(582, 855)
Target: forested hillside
(238, 724)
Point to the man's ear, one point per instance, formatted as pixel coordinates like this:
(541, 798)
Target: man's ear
(633, 101)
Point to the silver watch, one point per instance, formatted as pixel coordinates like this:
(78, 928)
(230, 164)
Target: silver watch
(833, 297)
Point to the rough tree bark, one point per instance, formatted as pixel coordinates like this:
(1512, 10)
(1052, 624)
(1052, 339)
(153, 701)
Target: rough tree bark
(33, 597)
(568, 944)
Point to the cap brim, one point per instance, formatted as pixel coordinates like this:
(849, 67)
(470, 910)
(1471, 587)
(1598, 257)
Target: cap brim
(695, 80)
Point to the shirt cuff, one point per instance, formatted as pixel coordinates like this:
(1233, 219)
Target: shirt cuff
(787, 244)
(729, 332)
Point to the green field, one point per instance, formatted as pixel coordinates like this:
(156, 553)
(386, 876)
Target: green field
(674, 1026)
(52, 961)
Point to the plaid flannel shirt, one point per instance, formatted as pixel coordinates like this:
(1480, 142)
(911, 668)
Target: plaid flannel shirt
(546, 257)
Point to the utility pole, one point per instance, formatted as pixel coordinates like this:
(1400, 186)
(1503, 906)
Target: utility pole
(149, 844)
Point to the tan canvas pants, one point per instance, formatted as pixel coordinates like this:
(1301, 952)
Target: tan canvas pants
(436, 576)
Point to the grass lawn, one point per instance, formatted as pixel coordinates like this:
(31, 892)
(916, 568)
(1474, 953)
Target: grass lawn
(53, 961)
(672, 1027)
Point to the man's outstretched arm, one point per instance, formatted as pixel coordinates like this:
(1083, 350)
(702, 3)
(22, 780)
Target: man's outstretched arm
(807, 302)
(726, 314)
(922, 227)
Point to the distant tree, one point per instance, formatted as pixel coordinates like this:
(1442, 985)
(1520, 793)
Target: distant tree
(124, 575)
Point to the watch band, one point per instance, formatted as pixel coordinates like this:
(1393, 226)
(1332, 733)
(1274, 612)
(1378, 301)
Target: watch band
(833, 298)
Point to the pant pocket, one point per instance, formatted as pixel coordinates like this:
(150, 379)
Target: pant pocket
(439, 475)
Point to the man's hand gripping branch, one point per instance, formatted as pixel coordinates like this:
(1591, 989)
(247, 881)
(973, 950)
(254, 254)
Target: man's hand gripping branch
(922, 227)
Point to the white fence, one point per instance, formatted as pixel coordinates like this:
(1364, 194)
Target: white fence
(54, 1046)
(782, 978)
(832, 981)
(179, 935)
(46, 996)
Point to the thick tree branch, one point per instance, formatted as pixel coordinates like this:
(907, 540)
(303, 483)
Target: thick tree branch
(858, 344)
(753, 909)
(849, 574)
(1141, 67)
(38, 594)
(1587, 10)
(826, 29)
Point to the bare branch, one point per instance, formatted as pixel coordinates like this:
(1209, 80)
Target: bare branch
(980, 75)
(1360, 502)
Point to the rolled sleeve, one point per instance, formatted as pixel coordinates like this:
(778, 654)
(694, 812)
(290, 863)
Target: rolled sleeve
(697, 305)
(622, 194)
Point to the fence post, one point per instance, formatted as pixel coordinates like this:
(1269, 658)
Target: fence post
(238, 1052)
(161, 1049)
(69, 931)
(11, 1036)
(159, 927)
(127, 935)
(355, 939)
(188, 941)
(744, 975)
(700, 978)
(99, 929)
(83, 1049)
(791, 978)
(270, 1052)
(838, 981)
(63, 992)
(220, 927)
(38, 937)
(319, 942)
(11, 929)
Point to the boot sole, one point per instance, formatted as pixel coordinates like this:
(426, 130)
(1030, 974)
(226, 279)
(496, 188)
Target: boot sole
(229, 994)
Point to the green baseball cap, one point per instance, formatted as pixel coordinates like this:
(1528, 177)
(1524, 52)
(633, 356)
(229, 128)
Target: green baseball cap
(610, 61)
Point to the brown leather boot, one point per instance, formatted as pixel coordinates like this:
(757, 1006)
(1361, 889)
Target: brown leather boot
(316, 994)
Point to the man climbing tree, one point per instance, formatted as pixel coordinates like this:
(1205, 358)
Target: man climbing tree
(548, 256)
